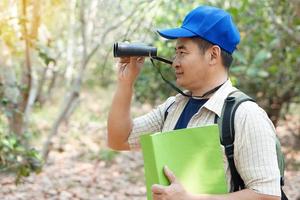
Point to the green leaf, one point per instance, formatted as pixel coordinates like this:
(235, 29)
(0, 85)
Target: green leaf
(261, 56)
(4, 142)
(240, 57)
(275, 43)
(273, 69)
(107, 155)
(238, 68)
(234, 12)
(234, 80)
(4, 101)
(252, 72)
(263, 74)
(24, 171)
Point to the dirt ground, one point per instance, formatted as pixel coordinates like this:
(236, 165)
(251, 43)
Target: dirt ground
(82, 168)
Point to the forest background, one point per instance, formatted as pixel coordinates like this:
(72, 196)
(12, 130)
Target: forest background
(58, 76)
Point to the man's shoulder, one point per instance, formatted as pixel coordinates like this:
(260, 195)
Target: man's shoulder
(164, 106)
(250, 114)
(249, 108)
(251, 121)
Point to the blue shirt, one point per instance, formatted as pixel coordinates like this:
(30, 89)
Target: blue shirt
(191, 108)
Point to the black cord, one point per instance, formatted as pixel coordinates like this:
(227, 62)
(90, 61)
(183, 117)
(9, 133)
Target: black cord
(172, 85)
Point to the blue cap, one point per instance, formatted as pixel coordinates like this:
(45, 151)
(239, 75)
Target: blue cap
(209, 23)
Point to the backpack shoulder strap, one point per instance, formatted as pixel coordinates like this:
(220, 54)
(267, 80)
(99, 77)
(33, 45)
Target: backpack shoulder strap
(226, 125)
(227, 133)
(167, 111)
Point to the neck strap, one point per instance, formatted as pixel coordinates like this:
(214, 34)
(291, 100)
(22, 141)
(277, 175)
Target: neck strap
(172, 85)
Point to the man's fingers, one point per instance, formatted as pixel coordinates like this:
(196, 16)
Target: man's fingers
(169, 174)
(157, 196)
(141, 59)
(133, 59)
(158, 189)
(124, 59)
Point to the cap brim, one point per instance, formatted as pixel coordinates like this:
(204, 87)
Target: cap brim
(175, 33)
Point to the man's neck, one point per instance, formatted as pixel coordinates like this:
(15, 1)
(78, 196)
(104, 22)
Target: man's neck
(209, 88)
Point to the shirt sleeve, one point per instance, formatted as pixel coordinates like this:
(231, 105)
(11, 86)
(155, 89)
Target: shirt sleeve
(255, 150)
(149, 123)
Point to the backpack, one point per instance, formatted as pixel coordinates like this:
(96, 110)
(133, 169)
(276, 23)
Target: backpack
(227, 133)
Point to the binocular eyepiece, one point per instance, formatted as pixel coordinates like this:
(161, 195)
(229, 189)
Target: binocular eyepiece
(134, 49)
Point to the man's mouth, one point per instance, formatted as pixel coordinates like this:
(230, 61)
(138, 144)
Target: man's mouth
(178, 74)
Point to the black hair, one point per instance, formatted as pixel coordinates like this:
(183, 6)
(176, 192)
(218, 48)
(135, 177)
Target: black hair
(203, 45)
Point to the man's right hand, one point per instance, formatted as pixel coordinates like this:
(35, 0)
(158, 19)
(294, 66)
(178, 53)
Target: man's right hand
(129, 69)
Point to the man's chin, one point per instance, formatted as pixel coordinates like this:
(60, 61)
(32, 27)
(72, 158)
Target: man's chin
(179, 83)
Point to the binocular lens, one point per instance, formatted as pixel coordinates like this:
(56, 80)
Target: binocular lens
(131, 49)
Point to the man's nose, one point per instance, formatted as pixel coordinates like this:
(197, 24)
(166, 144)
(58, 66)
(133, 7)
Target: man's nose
(175, 63)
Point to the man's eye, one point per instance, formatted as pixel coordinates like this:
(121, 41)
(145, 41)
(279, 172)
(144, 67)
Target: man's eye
(179, 53)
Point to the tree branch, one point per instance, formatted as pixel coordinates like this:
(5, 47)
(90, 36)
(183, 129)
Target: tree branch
(291, 33)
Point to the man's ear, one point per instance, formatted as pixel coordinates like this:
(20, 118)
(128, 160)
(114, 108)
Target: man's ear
(214, 54)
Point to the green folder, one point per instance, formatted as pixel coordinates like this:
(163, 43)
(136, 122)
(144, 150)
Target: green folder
(193, 154)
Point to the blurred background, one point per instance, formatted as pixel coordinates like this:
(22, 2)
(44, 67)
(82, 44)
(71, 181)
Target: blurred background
(58, 76)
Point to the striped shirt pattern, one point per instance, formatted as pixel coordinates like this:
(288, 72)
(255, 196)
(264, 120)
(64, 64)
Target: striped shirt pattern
(254, 147)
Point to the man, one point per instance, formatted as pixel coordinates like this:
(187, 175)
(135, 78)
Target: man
(205, 42)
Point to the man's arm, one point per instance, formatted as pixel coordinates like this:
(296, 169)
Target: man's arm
(119, 123)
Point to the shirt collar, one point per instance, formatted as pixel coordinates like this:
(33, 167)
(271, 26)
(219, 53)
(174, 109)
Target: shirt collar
(216, 101)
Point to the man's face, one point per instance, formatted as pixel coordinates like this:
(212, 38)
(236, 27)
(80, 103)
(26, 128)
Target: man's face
(190, 64)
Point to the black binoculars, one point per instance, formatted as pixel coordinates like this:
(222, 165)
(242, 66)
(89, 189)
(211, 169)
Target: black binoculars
(137, 49)
(133, 49)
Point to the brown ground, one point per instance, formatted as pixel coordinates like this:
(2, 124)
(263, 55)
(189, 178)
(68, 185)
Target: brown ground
(80, 167)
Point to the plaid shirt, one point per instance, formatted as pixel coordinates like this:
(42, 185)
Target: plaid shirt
(255, 147)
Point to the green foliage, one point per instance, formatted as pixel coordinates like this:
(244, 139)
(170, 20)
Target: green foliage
(107, 155)
(150, 87)
(266, 63)
(16, 158)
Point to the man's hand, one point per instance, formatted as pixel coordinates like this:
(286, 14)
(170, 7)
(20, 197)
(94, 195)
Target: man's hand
(174, 191)
(129, 68)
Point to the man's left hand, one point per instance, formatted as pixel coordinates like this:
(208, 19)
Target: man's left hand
(174, 191)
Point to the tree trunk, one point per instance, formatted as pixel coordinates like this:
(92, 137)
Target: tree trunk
(51, 84)
(10, 93)
(18, 115)
(65, 109)
(75, 89)
(274, 111)
(40, 95)
(69, 105)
